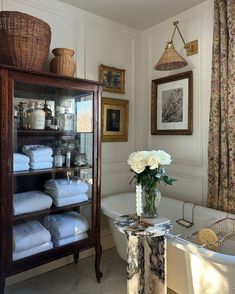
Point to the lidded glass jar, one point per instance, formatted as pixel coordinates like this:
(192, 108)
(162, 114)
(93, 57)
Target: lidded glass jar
(39, 117)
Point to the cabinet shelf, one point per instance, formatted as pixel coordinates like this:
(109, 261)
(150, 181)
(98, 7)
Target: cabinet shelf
(52, 210)
(50, 170)
(51, 133)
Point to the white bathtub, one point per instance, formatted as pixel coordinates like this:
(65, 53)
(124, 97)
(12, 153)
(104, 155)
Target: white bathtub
(191, 269)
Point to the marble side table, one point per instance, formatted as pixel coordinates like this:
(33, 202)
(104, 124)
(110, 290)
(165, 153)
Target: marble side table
(146, 255)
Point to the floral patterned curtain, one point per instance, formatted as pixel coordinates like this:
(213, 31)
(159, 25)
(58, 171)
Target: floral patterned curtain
(221, 172)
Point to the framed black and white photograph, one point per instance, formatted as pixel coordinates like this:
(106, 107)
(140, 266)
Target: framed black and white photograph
(113, 79)
(172, 105)
(114, 120)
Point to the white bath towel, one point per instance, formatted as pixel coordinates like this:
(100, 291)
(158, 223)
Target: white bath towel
(68, 240)
(20, 167)
(64, 188)
(29, 235)
(65, 225)
(32, 151)
(31, 251)
(42, 158)
(20, 158)
(62, 201)
(41, 165)
(30, 201)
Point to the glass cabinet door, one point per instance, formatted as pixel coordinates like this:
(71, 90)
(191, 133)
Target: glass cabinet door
(53, 168)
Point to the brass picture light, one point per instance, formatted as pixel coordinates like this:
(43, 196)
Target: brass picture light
(171, 59)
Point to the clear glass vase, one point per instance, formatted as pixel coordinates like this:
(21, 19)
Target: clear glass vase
(151, 201)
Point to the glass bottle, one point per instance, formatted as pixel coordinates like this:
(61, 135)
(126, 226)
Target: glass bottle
(22, 113)
(68, 119)
(15, 114)
(29, 118)
(58, 158)
(48, 116)
(60, 117)
(39, 117)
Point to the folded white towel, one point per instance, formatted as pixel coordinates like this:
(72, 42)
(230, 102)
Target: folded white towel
(36, 150)
(20, 158)
(20, 166)
(68, 240)
(64, 188)
(42, 158)
(29, 235)
(31, 251)
(62, 201)
(30, 201)
(65, 225)
(41, 165)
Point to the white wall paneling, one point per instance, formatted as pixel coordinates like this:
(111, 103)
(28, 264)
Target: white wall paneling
(189, 152)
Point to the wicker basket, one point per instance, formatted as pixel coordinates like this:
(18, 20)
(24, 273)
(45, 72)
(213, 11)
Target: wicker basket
(24, 40)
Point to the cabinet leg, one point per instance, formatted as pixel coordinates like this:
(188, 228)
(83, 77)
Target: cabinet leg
(2, 285)
(76, 257)
(98, 253)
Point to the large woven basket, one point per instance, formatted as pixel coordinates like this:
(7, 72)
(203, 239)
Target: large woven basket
(24, 40)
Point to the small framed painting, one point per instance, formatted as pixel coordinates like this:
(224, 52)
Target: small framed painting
(172, 105)
(114, 120)
(113, 79)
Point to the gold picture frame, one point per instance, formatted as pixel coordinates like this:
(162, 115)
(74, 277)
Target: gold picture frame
(113, 79)
(114, 120)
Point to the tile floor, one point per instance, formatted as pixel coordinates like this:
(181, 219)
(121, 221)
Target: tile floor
(79, 278)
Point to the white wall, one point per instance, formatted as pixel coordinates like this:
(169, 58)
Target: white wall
(189, 152)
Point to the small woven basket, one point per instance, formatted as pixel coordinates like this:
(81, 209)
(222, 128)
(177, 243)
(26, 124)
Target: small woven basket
(24, 40)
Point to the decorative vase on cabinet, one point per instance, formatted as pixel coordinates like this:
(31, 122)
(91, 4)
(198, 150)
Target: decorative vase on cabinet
(29, 173)
(63, 62)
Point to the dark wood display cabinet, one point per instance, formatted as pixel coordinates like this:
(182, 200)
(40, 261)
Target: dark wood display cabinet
(72, 132)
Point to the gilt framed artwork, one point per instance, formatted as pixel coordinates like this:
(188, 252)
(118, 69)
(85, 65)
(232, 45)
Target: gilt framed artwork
(114, 120)
(113, 79)
(172, 105)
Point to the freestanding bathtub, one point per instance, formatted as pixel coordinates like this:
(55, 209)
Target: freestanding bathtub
(191, 269)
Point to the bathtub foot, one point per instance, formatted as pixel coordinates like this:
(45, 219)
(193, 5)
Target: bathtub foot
(98, 253)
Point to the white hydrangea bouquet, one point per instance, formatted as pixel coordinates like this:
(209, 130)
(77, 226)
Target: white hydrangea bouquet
(149, 171)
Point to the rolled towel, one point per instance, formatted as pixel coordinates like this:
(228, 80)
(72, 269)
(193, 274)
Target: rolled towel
(20, 158)
(63, 188)
(65, 225)
(32, 151)
(29, 235)
(62, 201)
(43, 158)
(20, 167)
(41, 165)
(31, 251)
(64, 241)
(30, 201)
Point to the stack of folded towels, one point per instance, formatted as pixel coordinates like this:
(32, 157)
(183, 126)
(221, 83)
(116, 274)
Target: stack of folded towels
(66, 192)
(40, 156)
(66, 228)
(20, 162)
(31, 201)
(30, 238)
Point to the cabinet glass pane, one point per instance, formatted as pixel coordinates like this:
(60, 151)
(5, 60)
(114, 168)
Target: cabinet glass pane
(53, 168)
